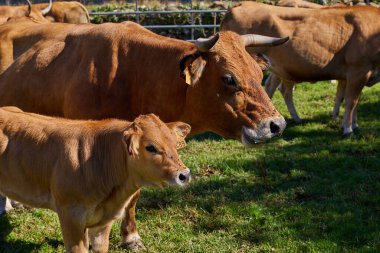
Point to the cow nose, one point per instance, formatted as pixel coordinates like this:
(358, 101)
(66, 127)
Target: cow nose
(277, 125)
(184, 177)
(274, 128)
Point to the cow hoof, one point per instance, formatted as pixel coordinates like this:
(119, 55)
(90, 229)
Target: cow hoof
(134, 245)
(17, 205)
(5, 205)
(348, 135)
(356, 129)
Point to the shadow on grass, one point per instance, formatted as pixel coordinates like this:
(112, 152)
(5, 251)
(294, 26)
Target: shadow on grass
(328, 188)
(206, 136)
(11, 246)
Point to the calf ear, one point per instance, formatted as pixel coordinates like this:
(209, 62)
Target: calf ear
(131, 139)
(191, 67)
(181, 130)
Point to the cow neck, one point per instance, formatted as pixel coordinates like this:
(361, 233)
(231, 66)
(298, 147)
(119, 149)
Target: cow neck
(109, 166)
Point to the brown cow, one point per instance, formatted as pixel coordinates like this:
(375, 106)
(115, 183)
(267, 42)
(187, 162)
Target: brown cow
(332, 43)
(13, 12)
(66, 12)
(123, 70)
(86, 171)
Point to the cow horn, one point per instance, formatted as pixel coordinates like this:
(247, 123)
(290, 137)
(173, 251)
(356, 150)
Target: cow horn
(205, 45)
(47, 9)
(255, 40)
(29, 8)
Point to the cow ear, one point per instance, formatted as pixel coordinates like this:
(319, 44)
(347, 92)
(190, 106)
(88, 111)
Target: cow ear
(191, 67)
(263, 61)
(131, 139)
(181, 130)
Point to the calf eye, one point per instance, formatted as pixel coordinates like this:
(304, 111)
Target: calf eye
(151, 149)
(228, 80)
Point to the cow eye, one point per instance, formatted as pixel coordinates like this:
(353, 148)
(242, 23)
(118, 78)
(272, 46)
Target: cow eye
(228, 80)
(151, 149)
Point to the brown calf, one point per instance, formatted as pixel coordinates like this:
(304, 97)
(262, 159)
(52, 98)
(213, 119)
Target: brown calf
(86, 171)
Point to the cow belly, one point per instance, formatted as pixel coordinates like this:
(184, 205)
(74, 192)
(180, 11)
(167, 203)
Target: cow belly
(25, 193)
(22, 182)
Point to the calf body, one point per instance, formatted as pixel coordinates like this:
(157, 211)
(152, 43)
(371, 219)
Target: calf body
(86, 171)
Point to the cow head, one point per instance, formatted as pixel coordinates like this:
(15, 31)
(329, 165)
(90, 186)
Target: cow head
(152, 147)
(225, 93)
(32, 13)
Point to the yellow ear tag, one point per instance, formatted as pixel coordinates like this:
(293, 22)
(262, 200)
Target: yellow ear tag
(188, 76)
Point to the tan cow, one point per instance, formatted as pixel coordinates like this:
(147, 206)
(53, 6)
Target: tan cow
(332, 43)
(66, 12)
(123, 70)
(86, 171)
(8, 12)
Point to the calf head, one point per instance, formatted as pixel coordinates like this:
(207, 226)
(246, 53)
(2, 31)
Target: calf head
(152, 149)
(225, 93)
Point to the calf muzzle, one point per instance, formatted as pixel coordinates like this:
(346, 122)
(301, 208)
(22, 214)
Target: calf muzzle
(183, 177)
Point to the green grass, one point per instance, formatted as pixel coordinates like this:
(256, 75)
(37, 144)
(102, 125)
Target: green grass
(309, 191)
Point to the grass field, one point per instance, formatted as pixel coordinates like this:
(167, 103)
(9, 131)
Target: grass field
(309, 191)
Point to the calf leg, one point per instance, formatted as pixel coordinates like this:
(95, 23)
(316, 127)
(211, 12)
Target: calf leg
(75, 236)
(271, 84)
(5, 205)
(99, 238)
(287, 92)
(129, 234)
(340, 89)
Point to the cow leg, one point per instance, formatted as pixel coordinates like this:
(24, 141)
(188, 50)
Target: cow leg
(287, 93)
(5, 205)
(271, 84)
(99, 238)
(129, 233)
(355, 124)
(352, 94)
(340, 89)
(16, 204)
(75, 235)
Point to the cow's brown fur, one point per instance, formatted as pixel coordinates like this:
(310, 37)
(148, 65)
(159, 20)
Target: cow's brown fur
(298, 4)
(105, 62)
(86, 171)
(123, 70)
(333, 43)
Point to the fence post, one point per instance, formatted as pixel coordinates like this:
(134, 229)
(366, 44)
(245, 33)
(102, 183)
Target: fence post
(192, 20)
(214, 14)
(137, 9)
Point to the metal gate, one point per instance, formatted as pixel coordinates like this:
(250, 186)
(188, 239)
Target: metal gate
(191, 26)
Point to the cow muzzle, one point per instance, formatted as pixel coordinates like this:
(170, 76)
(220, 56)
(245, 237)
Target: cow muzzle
(183, 177)
(265, 130)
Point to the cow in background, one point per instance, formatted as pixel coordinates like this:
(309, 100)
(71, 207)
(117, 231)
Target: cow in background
(66, 12)
(332, 43)
(14, 12)
(63, 12)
